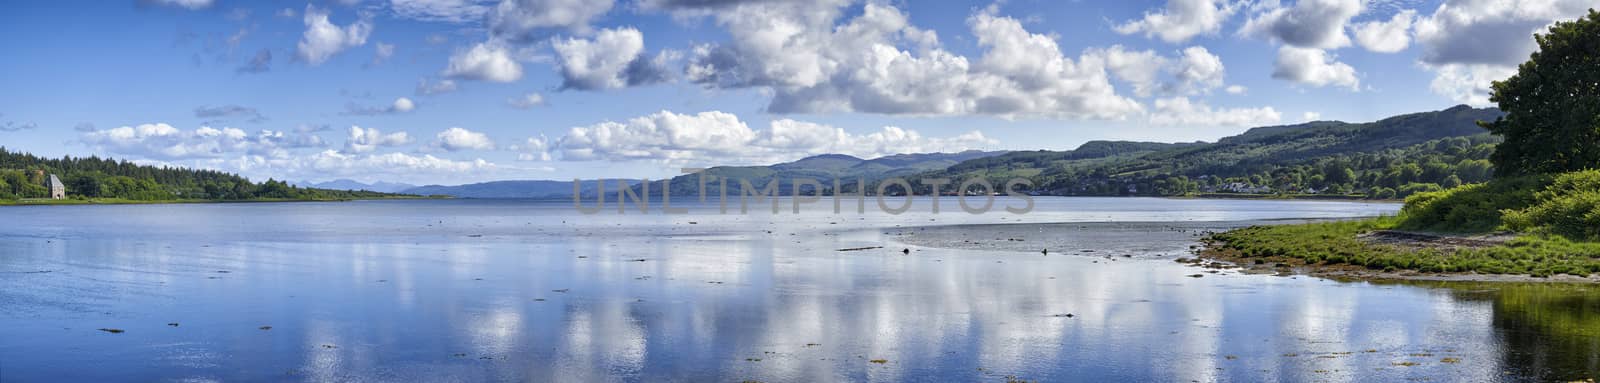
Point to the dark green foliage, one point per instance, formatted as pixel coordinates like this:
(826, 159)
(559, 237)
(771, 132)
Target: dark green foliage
(94, 177)
(1552, 123)
(1472, 208)
(1565, 204)
(1569, 206)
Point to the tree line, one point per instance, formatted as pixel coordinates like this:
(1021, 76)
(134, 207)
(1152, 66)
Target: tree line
(23, 175)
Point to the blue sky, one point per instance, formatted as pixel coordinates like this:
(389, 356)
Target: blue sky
(454, 91)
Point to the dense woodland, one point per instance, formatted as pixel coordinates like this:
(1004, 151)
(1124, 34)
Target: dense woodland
(23, 175)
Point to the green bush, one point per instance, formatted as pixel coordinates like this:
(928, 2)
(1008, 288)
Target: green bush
(1569, 207)
(1414, 188)
(1381, 193)
(1470, 208)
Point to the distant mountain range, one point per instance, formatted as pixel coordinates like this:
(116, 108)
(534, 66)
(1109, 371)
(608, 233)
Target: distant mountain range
(823, 168)
(534, 189)
(345, 184)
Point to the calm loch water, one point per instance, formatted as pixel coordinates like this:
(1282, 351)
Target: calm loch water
(465, 290)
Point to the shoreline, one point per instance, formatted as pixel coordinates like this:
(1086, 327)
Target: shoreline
(1211, 255)
(1290, 197)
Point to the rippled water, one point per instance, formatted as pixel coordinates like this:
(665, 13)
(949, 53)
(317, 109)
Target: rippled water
(476, 290)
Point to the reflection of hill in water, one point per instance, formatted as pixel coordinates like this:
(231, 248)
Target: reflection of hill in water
(1548, 332)
(1551, 332)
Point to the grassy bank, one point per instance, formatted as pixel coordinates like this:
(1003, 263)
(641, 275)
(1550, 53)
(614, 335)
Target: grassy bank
(1541, 226)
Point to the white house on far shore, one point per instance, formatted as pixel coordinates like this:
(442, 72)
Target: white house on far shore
(57, 190)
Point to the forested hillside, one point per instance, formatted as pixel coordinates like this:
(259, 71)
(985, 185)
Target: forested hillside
(1389, 158)
(23, 175)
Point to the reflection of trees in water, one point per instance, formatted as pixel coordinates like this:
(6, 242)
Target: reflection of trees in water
(1548, 331)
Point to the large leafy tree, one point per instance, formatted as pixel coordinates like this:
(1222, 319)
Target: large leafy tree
(1552, 123)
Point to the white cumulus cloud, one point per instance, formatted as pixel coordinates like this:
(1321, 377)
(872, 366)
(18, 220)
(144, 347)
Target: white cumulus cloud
(612, 59)
(721, 138)
(457, 139)
(1468, 83)
(487, 61)
(1194, 71)
(1496, 32)
(322, 39)
(391, 167)
(164, 142)
(402, 105)
(1470, 43)
(877, 62)
(1306, 24)
(1181, 20)
(364, 140)
(1313, 67)
(1389, 36)
(533, 149)
(1182, 111)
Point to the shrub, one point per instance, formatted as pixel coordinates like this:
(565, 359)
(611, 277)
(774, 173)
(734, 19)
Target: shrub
(1470, 208)
(1414, 188)
(1569, 207)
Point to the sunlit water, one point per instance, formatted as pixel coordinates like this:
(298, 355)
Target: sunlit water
(474, 290)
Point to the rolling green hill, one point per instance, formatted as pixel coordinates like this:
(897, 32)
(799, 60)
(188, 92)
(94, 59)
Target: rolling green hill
(1389, 158)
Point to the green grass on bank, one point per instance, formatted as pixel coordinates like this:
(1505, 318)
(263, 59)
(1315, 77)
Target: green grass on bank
(1336, 243)
(1557, 215)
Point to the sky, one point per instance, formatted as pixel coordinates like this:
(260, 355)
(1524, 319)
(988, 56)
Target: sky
(460, 91)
